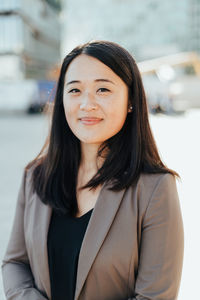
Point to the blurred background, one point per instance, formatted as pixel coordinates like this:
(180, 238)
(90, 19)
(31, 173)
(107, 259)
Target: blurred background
(164, 39)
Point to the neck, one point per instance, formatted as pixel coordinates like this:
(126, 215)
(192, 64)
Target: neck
(90, 163)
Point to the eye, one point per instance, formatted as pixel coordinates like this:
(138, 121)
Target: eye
(103, 90)
(73, 91)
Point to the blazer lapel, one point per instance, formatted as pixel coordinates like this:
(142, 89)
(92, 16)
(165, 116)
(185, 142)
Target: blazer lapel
(101, 219)
(44, 213)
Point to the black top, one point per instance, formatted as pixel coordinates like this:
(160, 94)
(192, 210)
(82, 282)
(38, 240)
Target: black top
(64, 241)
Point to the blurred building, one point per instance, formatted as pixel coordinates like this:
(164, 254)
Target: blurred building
(29, 38)
(195, 25)
(147, 28)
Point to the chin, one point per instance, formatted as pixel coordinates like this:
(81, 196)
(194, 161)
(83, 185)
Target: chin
(94, 139)
(91, 142)
(90, 139)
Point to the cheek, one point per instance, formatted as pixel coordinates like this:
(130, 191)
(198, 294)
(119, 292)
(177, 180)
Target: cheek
(117, 115)
(69, 109)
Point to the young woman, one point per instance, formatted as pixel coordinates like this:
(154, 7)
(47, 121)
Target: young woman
(98, 215)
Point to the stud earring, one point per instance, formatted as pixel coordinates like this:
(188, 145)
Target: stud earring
(130, 108)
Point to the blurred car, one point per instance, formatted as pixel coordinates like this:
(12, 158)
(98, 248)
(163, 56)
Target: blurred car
(157, 93)
(46, 94)
(16, 95)
(26, 95)
(172, 83)
(185, 90)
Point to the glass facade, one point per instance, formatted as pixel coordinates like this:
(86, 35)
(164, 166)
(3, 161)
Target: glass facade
(148, 28)
(6, 5)
(195, 24)
(11, 37)
(31, 34)
(55, 4)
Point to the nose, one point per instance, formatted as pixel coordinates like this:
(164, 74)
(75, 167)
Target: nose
(88, 102)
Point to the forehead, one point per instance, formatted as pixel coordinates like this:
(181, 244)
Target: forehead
(87, 67)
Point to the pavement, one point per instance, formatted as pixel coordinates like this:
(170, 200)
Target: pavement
(178, 141)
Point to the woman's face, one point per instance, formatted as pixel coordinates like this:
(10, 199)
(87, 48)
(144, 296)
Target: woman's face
(95, 100)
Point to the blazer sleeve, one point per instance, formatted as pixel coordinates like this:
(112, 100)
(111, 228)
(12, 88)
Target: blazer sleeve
(162, 245)
(18, 279)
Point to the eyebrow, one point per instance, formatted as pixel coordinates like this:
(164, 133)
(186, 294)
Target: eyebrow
(96, 80)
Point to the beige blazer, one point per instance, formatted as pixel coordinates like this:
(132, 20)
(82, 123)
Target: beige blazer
(132, 249)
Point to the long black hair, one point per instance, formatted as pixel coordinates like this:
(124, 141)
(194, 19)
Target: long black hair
(130, 152)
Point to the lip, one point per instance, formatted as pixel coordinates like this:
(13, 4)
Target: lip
(90, 120)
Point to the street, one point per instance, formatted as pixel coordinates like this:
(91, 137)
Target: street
(178, 141)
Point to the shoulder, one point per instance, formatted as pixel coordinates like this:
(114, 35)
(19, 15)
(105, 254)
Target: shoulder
(151, 181)
(28, 179)
(153, 188)
(160, 192)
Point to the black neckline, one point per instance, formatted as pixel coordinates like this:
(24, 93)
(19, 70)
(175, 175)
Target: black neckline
(89, 211)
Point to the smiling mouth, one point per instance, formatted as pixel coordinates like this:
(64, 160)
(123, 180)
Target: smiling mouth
(90, 121)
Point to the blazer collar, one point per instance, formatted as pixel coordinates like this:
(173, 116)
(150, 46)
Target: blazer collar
(105, 208)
